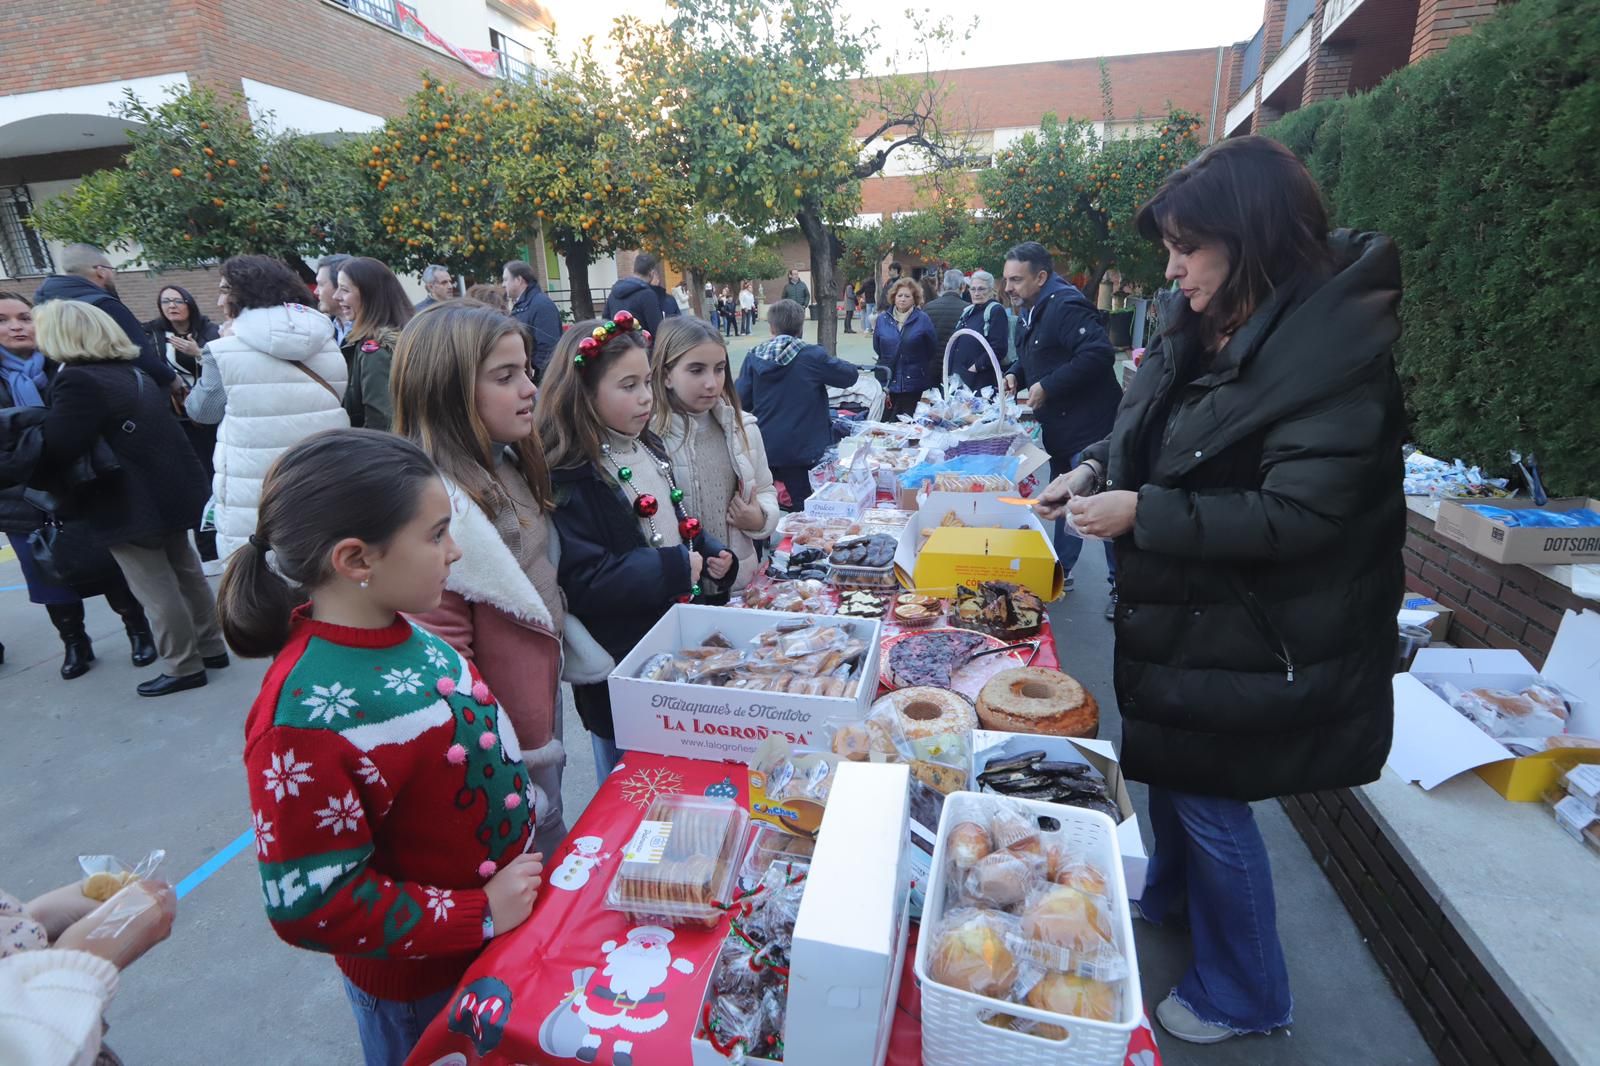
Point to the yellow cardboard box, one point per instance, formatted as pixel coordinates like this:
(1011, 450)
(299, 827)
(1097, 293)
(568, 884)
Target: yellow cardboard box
(1528, 778)
(969, 556)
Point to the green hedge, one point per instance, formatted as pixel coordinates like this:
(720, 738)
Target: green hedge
(1483, 163)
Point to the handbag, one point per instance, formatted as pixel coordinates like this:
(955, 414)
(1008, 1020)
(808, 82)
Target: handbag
(69, 553)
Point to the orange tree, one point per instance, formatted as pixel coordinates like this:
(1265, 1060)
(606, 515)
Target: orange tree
(201, 182)
(716, 250)
(1063, 187)
(763, 100)
(594, 181)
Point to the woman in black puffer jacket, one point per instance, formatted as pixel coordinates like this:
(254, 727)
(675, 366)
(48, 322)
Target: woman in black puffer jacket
(143, 514)
(1252, 484)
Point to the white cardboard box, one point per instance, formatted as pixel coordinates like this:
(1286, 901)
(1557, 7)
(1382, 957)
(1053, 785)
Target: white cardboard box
(864, 495)
(1433, 742)
(850, 938)
(708, 722)
(988, 745)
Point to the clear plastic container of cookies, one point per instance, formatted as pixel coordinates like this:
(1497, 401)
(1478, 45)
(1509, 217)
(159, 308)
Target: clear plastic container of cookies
(769, 845)
(863, 577)
(681, 864)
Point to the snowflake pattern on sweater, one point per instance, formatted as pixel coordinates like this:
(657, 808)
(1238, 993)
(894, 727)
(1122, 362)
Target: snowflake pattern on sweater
(386, 790)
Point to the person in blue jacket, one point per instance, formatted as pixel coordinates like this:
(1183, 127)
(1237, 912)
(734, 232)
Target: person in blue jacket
(638, 294)
(968, 360)
(627, 548)
(906, 342)
(1064, 372)
(534, 309)
(784, 382)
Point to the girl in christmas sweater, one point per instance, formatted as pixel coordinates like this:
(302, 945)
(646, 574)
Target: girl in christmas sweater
(630, 549)
(390, 800)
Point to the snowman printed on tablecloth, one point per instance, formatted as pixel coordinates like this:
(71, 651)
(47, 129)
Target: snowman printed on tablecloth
(573, 873)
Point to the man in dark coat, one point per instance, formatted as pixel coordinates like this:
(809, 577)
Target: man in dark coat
(534, 309)
(784, 382)
(797, 290)
(636, 293)
(945, 310)
(1063, 370)
(87, 275)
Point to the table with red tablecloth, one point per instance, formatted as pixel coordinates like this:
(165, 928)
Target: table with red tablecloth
(578, 982)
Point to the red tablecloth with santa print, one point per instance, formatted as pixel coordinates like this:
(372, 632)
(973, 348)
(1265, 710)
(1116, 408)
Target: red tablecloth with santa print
(578, 982)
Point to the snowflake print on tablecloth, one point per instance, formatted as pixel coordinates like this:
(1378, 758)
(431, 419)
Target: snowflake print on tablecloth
(646, 786)
(264, 835)
(368, 772)
(439, 902)
(437, 658)
(402, 681)
(328, 702)
(340, 814)
(286, 774)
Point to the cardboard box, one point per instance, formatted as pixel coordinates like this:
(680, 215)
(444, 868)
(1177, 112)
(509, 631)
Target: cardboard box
(850, 937)
(1433, 742)
(708, 722)
(1432, 616)
(999, 542)
(1033, 474)
(989, 745)
(1508, 544)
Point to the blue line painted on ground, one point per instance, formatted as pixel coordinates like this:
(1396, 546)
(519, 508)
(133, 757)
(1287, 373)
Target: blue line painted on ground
(12, 588)
(215, 863)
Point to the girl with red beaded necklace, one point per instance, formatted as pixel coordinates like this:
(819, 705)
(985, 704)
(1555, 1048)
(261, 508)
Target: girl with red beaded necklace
(629, 547)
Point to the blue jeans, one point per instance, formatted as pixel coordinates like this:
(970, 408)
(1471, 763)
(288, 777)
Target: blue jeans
(1210, 858)
(606, 756)
(1069, 547)
(390, 1028)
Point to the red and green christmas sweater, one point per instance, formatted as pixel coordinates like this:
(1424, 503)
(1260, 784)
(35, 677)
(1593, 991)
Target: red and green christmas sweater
(387, 788)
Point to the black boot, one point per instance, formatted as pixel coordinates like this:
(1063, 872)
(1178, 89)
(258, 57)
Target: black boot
(68, 620)
(141, 642)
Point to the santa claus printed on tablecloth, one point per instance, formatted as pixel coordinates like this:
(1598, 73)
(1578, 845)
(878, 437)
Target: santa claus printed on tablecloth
(624, 999)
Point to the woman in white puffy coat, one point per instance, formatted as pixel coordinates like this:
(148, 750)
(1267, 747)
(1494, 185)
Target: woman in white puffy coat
(274, 377)
(718, 457)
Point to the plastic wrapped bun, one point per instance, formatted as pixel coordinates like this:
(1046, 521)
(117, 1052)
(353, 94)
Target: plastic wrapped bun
(971, 953)
(1077, 997)
(1066, 918)
(969, 844)
(1000, 880)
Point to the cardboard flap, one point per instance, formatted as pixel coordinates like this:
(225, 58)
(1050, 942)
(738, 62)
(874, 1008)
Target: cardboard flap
(1471, 661)
(1432, 741)
(1574, 664)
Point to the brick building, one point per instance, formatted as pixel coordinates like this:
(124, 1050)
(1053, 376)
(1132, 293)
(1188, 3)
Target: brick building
(1312, 50)
(321, 67)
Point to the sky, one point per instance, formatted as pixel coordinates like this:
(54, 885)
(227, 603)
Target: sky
(1003, 34)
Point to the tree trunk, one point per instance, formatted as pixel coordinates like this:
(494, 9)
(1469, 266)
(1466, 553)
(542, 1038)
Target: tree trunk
(1097, 274)
(578, 273)
(826, 250)
(695, 285)
(298, 264)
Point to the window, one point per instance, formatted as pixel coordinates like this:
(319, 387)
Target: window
(22, 251)
(514, 57)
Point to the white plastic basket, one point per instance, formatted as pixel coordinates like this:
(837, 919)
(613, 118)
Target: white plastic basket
(953, 1032)
(994, 361)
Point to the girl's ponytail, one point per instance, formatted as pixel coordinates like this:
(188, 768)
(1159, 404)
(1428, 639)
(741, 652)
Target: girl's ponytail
(330, 486)
(254, 603)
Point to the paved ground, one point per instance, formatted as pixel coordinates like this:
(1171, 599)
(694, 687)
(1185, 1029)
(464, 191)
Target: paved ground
(88, 767)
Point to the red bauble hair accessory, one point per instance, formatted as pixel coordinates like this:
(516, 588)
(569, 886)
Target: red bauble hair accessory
(624, 320)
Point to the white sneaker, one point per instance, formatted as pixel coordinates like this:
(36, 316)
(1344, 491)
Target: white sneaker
(1181, 1022)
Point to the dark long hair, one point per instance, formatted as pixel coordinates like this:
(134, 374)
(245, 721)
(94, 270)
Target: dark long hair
(339, 483)
(197, 321)
(385, 307)
(1254, 197)
(260, 281)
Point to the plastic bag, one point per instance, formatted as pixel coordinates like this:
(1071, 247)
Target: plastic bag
(1000, 466)
(105, 877)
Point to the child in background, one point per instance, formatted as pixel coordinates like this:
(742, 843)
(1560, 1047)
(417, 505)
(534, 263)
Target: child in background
(630, 548)
(390, 799)
(718, 457)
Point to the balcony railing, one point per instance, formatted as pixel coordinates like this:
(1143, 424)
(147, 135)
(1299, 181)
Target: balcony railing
(1296, 15)
(1250, 64)
(385, 12)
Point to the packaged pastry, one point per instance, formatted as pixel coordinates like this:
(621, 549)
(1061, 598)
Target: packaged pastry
(972, 951)
(789, 787)
(679, 867)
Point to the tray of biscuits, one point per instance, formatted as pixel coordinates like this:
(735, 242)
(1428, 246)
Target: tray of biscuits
(681, 864)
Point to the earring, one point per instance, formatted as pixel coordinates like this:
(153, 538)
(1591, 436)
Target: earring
(363, 583)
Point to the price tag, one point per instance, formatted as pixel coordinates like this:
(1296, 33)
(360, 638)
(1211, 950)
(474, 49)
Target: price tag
(649, 843)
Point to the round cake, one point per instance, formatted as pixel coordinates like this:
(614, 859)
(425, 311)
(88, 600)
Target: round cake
(1033, 700)
(930, 712)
